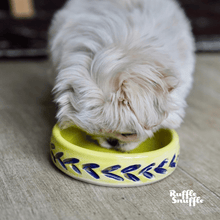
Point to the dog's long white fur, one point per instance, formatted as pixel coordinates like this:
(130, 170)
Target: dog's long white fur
(121, 67)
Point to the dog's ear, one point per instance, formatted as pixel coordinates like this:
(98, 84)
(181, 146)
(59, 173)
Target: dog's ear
(170, 80)
(146, 94)
(134, 92)
(155, 82)
(116, 82)
(168, 75)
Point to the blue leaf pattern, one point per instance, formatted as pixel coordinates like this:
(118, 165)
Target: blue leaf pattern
(114, 176)
(172, 163)
(160, 168)
(111, 169)
(58, 157)
(72, 161)
(148, 175)
(54, 158)
(131, 168)
(163, 163)
(131, 177)
(145, 171)
(89, 167)
(147, 168)
(108, 170)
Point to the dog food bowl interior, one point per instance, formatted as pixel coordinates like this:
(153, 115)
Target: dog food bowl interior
(74, 153)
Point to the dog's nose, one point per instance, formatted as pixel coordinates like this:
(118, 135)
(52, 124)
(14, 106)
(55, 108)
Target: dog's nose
(113, 142)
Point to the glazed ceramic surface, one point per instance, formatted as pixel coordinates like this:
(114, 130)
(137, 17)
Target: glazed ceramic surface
(74, 153)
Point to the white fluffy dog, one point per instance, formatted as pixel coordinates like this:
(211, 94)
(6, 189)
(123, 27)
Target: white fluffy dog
(123, 68)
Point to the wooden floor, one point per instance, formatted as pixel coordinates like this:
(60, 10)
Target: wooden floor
(32, 188)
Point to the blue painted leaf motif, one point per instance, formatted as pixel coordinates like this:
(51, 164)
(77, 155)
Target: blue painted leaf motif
(108, 170)
(76, 169)
(163, 162)
(52, 154)
(147, 168)
(159, 169)
(111, 169)
(172, 163)
(58, 157)
(89, 169)
(129, 169)
(114, 176)
(148, 175)
(91, 165)
(72, 161)
(145, 171)
(54, 159)
(52, 146)
(131, 177)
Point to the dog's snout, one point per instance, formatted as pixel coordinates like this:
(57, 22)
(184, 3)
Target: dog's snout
(113, 142)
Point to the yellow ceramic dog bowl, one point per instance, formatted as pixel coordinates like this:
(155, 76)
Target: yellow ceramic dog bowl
(153, 160)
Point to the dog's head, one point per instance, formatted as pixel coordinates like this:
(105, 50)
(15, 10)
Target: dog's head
(121, 97)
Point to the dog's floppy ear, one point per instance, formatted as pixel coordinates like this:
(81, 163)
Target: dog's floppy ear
(170, 81)
(134, 92)
(168, 74)
(146, 94)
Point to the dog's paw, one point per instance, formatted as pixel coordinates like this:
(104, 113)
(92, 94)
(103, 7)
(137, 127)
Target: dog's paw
(111, 143)
(126, 147)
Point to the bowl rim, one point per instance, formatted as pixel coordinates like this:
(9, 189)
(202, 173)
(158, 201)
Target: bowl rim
(56, 134)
